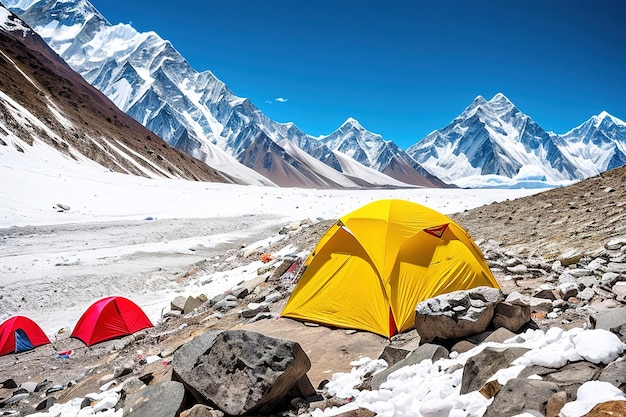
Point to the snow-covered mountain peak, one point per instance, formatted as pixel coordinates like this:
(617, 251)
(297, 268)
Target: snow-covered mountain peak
(498, 106)
(604, 115)
(10, 22)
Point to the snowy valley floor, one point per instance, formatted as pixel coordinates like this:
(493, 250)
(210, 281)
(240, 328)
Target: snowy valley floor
(131, 236)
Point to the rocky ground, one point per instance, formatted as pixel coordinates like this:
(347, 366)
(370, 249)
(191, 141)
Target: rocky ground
(551, 250)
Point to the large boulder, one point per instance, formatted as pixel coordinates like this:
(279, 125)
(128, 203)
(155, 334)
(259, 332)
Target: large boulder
(242, 372)
(457, 314)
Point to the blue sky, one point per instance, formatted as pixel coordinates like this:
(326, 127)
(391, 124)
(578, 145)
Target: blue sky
(402, 68)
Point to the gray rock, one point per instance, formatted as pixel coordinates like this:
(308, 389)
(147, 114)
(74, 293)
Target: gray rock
(540, 304)
(426, 351)
(615, 373)
(587, 294)
(570, 257)
(191, 303)
(616, 267)
(517, 269)
(457, 314)
(510, 316)
(393, 354)
(608, 319)
(178, 303)
(570, 377)
(241, 372)
(520, 395)
(227, 303)
(566, 277)
(201, 410)
(616, 243)
(619, 290)
(609, 278)
(149, 402)
(240, 292)
(479, 368)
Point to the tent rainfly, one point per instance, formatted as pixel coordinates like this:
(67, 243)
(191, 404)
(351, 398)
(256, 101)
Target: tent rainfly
(19, 334)
(374, 265)
(110, 318)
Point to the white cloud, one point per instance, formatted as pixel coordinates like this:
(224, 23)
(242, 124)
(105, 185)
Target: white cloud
(280, 99)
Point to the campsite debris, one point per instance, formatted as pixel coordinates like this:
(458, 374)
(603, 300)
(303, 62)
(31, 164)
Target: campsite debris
(266, 257)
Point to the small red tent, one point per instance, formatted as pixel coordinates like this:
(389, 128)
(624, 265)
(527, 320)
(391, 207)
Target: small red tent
(110, 318)
(19, 334)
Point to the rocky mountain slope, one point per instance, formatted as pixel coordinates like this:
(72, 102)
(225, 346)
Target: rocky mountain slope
(45, 102)
(581, 216)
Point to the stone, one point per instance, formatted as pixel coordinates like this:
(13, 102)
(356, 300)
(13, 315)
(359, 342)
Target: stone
(609, 278)
(254, 309)
(240, 292)
(178, 303)
(570, 257)
(613, 408)
(548, 294)
(457, 314)
(201, 410)
(619, 289)
(426, 351)
(479, 368)
(587, 294)
(490, 389)
(521, 395)
(239, 371)
(500, 335)
(359, 412)
(517, 269)
(148, 402)
(556, 403)
(462, 346)
(191, 303)
(608, 319)
(616, 267)
(615, 243)
(571, 376)
(517, 298)
(615, 373)
(227, 303)
(540, 305)
(510, 316)
(393, 354)
(568, 290)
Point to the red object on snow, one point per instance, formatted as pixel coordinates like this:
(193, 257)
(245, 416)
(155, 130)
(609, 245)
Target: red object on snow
(19, 334)
(110, 318)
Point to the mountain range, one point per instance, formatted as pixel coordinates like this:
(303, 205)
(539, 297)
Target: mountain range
(49, 113)
(491, 143)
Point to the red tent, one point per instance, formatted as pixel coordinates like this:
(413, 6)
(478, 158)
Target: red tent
(19, 334)
(110, 318)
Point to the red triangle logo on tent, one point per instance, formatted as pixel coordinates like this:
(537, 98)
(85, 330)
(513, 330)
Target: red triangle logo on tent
(437, 231)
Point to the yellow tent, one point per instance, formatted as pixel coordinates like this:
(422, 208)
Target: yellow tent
(374, 265)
